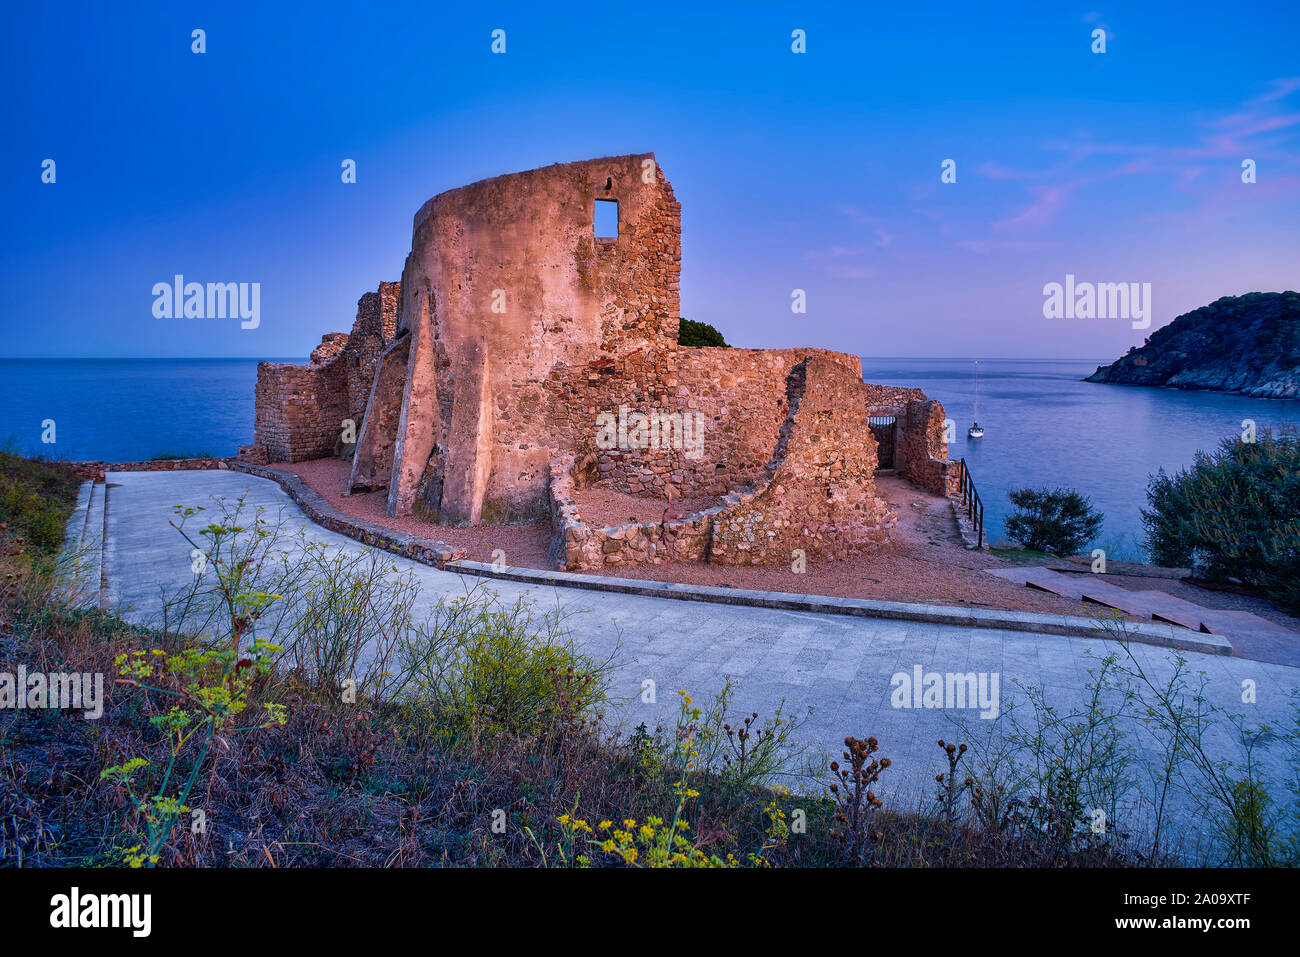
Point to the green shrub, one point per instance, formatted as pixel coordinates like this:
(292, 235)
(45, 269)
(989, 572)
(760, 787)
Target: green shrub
(36, 498)
(487, 665)
(179, 455)
(1059, 521)
(1233, 515)
(692, 333)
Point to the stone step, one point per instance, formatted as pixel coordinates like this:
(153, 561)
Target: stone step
(1251, 635)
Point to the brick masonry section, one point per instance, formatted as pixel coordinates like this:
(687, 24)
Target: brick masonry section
(301, 410)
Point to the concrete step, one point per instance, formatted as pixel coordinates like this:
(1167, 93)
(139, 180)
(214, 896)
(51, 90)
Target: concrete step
(1250, 635)
(1154, 604)
(1067, 586)
(1255, 637)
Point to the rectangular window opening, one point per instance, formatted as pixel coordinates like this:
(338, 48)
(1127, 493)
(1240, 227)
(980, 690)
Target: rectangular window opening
(606, 219)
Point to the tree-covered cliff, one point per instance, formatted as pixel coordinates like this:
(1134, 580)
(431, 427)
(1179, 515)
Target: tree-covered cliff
(1248, 344)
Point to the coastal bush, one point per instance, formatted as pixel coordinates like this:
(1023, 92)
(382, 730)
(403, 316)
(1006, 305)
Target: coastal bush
(1250, 826)
(485, 665)
(1232, 515)
(1058, 521)
(692, 333)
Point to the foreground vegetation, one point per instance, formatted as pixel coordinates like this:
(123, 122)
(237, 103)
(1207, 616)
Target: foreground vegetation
(294, 707)
(1055, 521)
(1234, 516)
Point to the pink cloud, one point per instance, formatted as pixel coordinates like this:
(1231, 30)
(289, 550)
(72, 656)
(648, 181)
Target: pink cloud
(1048, 201)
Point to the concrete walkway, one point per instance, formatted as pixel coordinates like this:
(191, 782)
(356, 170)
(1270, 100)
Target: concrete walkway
(840, 666)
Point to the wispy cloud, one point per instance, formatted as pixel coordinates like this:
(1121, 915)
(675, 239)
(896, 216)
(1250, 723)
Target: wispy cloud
(1047, 202)
(985, 246)
(834, 252)
(1262, 125)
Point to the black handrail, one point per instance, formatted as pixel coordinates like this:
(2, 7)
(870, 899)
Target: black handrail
(970, 500)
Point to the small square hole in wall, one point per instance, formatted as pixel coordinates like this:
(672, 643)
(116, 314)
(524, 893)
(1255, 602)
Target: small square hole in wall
(607, 219)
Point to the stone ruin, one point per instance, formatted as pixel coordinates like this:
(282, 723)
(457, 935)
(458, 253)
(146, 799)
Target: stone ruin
(485, 386)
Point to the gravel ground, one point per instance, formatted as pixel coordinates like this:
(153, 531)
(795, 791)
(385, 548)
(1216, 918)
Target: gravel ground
(604, 507)
(524, 545)
(926, 563)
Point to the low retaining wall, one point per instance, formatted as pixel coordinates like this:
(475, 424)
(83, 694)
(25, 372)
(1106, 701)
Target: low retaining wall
(575, 544)
(1149, 633)
(368, 533)
(94, 471)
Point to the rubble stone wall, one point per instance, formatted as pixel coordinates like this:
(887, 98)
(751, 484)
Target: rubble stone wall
(816, 495)
(820, 498)
(300, 410)
(925, 451)
(737, 400)
(372, 462)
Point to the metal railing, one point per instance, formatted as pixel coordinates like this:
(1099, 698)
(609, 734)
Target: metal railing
(970, 500)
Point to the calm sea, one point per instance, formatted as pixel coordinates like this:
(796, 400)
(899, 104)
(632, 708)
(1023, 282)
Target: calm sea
(118, 410)
(1043, 426)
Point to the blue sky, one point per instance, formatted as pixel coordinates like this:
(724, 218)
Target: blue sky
(818, 171)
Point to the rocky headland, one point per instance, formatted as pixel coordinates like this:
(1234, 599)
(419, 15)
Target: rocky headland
(1248, 344)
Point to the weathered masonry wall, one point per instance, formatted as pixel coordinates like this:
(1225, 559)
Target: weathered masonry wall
(925, 449)
(375, 326)
(300, 410)
(516, 291)
(372, 463)
(815, 493)
(740, 396)
(821, 497)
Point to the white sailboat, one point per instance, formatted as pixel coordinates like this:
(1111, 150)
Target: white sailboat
(976, 431)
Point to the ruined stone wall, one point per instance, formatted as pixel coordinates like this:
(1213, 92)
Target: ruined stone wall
(821, 498)
(515, 292)
(890, 399)
(924, 449)
(372, 461)
(577, 545)
(740, 393)
(372, 332)
(298, 410)
(816, 490)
